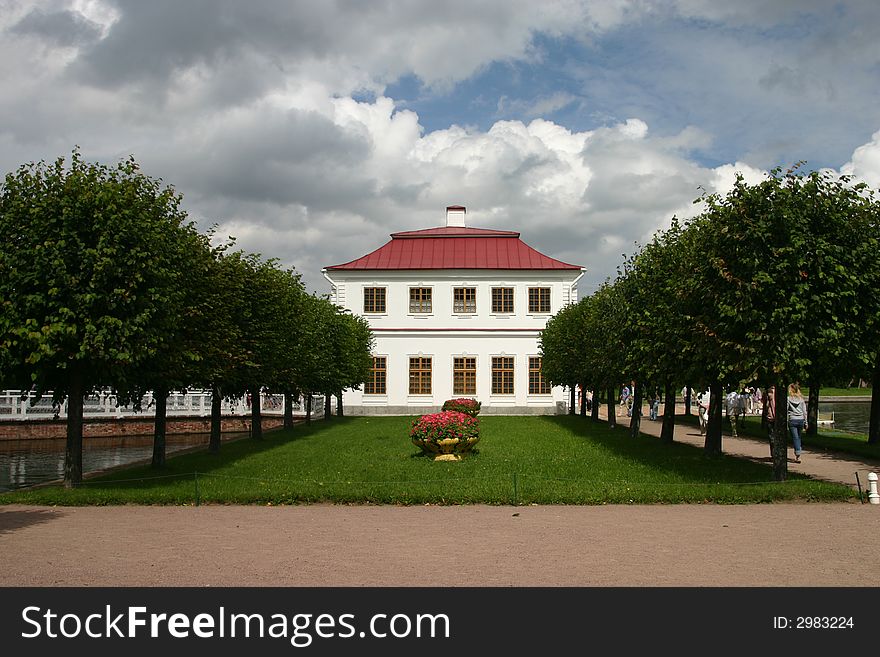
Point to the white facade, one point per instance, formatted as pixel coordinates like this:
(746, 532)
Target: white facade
(442, 334)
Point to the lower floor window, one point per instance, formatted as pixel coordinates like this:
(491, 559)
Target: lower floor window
(376, 384)
(420, 375)
(502, 375)
(464, 376)
(537, 384)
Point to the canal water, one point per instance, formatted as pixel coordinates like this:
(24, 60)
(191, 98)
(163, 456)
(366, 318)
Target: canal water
(848, 416)
(34, 461)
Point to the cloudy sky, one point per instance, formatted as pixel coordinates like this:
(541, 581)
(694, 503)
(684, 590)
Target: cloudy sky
(310, 130)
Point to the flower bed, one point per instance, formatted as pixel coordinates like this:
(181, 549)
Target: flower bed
(446, 433)
(464, 405)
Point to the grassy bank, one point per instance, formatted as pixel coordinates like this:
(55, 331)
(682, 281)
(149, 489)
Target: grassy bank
(844, 392)
(544, 460)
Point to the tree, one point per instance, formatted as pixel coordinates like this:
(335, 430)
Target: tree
(88, 278)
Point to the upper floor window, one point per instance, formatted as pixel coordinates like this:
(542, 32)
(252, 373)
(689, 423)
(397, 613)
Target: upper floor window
(502, 299)
(464, 300)
(374, 299)
(376, 384)
(539, 299)
(420, 299)
(537, 383)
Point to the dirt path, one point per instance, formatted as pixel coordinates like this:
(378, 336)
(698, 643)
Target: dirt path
(325, 545)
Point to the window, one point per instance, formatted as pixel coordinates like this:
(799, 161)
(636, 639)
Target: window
(420, 376)
(420, 299)
(502, 375)
(464, 376)
(375, 385)
(502, 299)
(537, 384)
(464, 300)
(374, 299)
(539, 299)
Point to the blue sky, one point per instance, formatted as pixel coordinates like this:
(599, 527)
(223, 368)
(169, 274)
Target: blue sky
(310, 131)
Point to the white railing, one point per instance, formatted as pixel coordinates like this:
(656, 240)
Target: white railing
(22, 405)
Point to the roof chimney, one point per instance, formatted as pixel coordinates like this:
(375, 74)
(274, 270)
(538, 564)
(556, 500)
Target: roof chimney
(455, 215)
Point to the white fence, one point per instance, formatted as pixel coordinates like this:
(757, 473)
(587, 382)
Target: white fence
(23, 405)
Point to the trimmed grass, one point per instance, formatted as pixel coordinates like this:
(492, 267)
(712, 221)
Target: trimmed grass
(844, 392)
(522, 460)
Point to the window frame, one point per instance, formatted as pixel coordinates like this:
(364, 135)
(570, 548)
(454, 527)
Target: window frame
(505, 376)
(536, 378)
(502, 289)
(464, 289)
(465, 371)
(375, 288)
(539, 290)
(421, 301)
(421, 372)
(373, 372)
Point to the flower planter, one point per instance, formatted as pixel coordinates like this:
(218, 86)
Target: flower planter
(445, 435)
(447, 449)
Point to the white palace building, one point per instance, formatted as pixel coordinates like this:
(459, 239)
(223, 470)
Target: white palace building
(456, 312)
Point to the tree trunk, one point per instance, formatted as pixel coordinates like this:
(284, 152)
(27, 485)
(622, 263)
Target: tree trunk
(583, 400)
(160, 424)
(256, 417)
(778, 444)
(635, 422)
(874, 421)
(339, 404)
(328, 405)
(309, 408)
(288, 410)
(667, 432)
(612, 403)
(73, 449)
(712, 445)
(594, 411)
(813, 409)
(216, 419)
(572, 403)
(687, 400)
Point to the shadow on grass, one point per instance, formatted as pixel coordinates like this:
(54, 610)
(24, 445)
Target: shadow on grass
(687, 462)
(184, 466)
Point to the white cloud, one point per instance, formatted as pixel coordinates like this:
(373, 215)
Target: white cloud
(249, 109)
(865, 162)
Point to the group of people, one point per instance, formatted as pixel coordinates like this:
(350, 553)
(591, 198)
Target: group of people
(738, 404)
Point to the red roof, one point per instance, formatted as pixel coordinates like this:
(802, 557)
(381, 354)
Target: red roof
(450, 247)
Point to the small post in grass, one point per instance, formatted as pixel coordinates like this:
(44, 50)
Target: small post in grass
(859, 484)
(196, 477)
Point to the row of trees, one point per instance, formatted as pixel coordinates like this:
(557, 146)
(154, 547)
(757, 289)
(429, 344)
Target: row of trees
(105, 283)
(773, 283)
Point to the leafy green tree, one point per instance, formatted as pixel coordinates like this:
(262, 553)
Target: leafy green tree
(89, 282)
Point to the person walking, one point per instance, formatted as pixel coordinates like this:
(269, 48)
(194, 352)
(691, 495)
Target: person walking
(703, 402)
(797, 418)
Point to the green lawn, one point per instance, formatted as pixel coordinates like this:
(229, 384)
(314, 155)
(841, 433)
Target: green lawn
(844, 392)
(544, 460)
